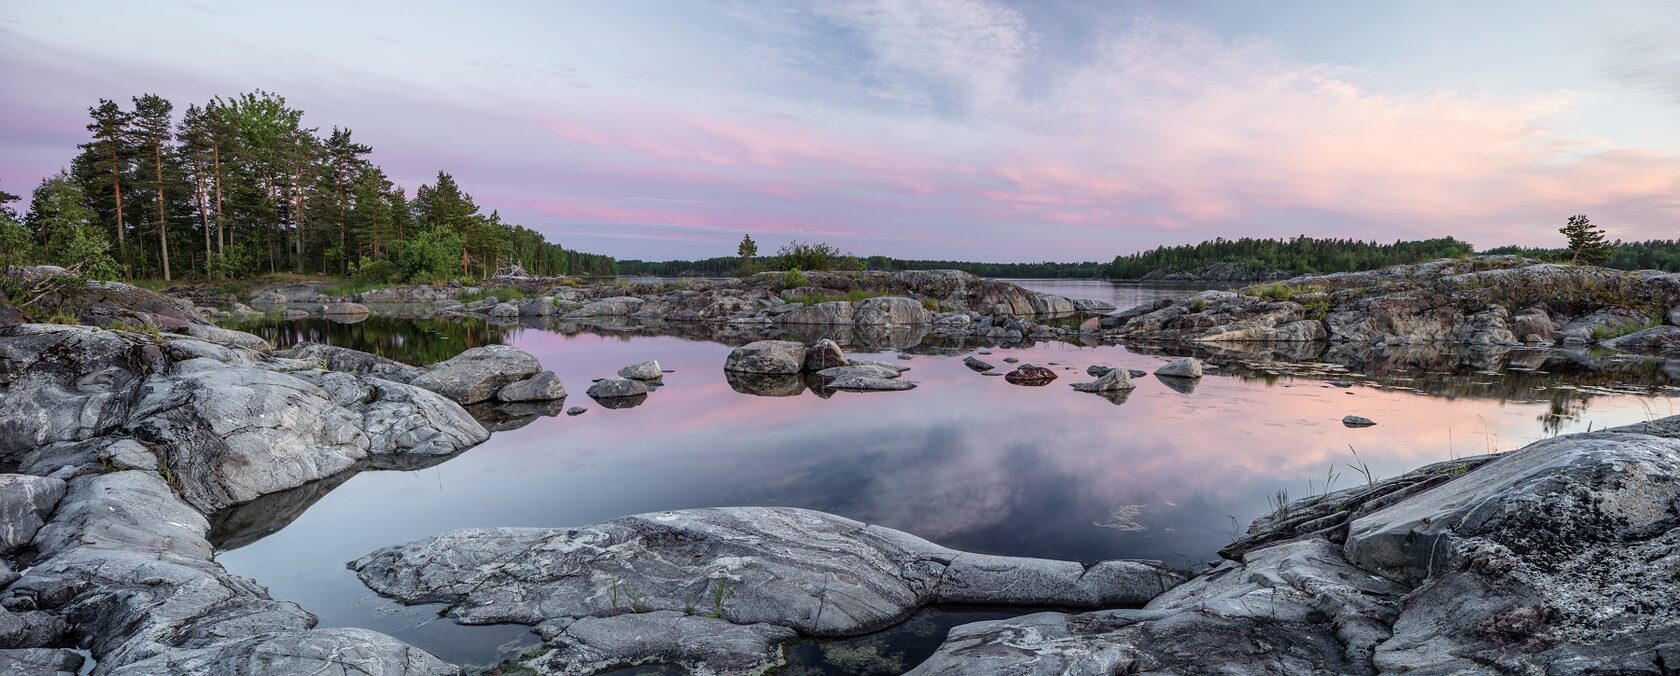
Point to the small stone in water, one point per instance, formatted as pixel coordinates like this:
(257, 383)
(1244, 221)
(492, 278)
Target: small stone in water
(576, 410)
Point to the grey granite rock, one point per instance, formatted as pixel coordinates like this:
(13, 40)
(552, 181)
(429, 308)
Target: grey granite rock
(977, 364)
(617, 388)
(812, 572)
(647, 370)
(1357, 421)
(1110, 381)
(40, 662)
(890, 311)
(824, 354)
(544, 386)
(767, 356)
(698, 644)
(476, 374)
(25, 503)
(352, 361)
(1182, 367)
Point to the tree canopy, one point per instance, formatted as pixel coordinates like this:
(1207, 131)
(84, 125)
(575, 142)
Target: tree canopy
(239, 186)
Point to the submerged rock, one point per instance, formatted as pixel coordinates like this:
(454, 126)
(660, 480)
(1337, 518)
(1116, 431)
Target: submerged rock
(977, 364)
(613, 388)
(1027, 374)
(1110, 381)
(477, 374)
(1357, 421)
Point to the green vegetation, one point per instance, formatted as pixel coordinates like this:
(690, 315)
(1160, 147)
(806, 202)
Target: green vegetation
(793, 279)
(1607, 331)
(502, 294)
(239, 186)
(1586, 241)
(745, 252)
(1299, 255)
(854, 295)
(1655, 254)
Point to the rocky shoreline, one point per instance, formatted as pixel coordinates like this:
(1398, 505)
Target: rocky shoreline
(124, 450)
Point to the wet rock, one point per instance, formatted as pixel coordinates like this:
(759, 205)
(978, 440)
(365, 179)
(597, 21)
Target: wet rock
(647, 370)
(1088, 305)
(815, 573)
(576, 410)
(1357, 421)
(977, 364)
(1657, 339)
(127, 562)
(352, 361)
(767, 356)
(824, 354)
(544, 386)
(1027, 374)
(765, 384)
(40, 662)
(477, 374)
(25, 503)
(697, 644)
(1182, 367)
(1113, 380)
(614, 388)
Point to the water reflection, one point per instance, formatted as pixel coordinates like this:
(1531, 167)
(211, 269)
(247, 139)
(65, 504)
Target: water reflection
(965, 460)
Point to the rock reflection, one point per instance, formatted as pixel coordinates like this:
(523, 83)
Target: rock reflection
(1179, 385)
(501, 417)
(622, 402)
(766, 384)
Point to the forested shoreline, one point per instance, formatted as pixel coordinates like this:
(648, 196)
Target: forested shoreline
(237, 187)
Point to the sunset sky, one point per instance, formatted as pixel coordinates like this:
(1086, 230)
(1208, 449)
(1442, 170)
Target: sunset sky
(938, 129)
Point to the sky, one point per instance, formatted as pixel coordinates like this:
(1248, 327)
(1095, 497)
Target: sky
(944, 129)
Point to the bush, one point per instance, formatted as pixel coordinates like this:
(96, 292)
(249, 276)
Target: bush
(793, 279)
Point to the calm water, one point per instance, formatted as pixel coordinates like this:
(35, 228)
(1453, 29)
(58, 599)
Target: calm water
(965, 460)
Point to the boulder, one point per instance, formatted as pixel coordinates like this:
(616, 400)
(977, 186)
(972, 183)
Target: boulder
(618, 306)
(544, 386)
(863, 384)
(1027, 374)
(345, 308)
(40, 662)
(617, 388)
(1657, 340)
(269, 299)
(1182, 367)
(477, 374)
(767, 356)
(831, 313)
(1113, 380)
(538, 307)
(335, 358)
(647, 370)
(1357, 421)
(504, 311)
(1088, 305)
(824, 354)
(977, 364)
(1674, 316)
(890, 311)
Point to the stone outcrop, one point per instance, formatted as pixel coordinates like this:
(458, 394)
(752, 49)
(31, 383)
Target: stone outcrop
(1557, 558)
(771, 571)
(479, 373)
(1028, 374)
(767, 356)
(1182, 367)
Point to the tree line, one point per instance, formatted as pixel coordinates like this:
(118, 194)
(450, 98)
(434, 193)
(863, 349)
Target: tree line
(240, 186)
(1652, 254)
(1297, 255)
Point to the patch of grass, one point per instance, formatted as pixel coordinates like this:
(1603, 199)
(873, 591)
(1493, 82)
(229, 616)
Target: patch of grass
(1606, 332)
(352, 287)
(794, 279)
(1198, 305)
(717, 601)
(1317, 309)
(504, 295)
(852, 296)
(932, 305)
(1279, 502)
(1363, 469)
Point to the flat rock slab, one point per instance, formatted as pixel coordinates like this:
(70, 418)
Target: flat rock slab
(815, 573)
(697, 643)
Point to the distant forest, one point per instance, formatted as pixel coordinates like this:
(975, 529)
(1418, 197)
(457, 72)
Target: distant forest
(724, 266)
(1298, 255)
(232, 188)
(1653, 254)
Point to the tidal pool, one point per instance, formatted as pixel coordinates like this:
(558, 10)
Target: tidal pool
(965, 460)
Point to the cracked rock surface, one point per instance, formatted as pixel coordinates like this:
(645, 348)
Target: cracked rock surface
(809, 572)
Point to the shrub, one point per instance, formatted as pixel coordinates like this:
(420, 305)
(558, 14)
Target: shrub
(793, 279)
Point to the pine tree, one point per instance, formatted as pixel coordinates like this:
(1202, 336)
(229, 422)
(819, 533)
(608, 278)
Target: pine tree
(1586, 241)
(110, 150)
(152, 131)
(746, 252)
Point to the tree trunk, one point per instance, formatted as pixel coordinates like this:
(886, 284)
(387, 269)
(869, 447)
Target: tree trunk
(216, 159)
(297, 218)
(163, 223)
(203, 213)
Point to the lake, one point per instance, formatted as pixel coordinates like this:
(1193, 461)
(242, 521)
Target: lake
(967, 461)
